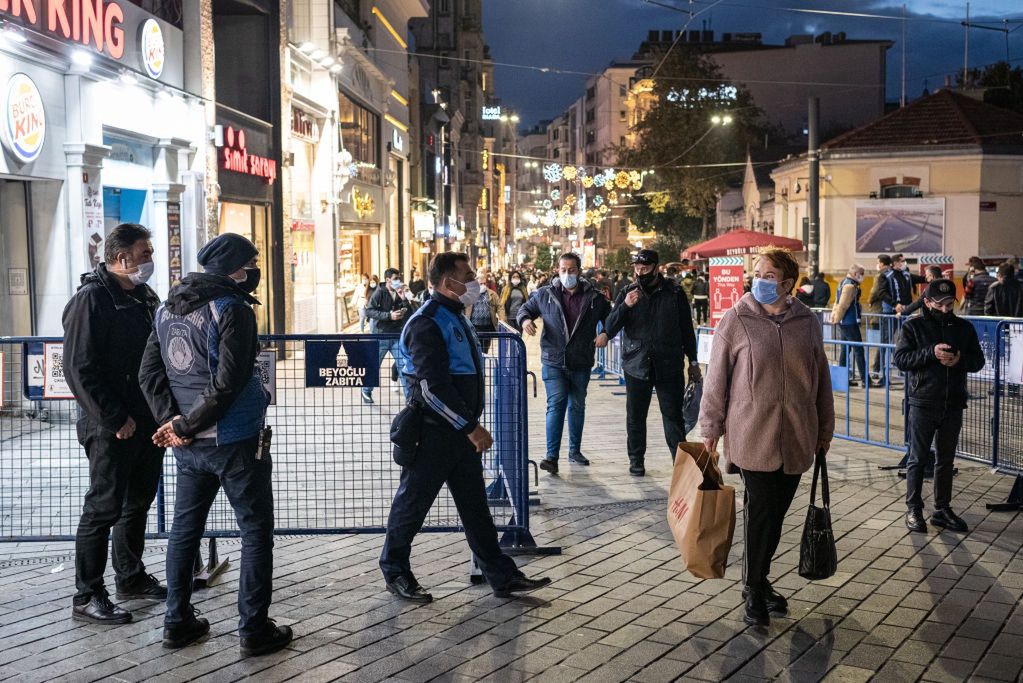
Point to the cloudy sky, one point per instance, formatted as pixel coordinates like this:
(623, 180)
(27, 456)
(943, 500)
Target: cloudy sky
(585, 35)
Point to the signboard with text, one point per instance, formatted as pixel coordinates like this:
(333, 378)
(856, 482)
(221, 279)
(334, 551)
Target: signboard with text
(44, 372)
(266, 361)
(726, 279)
(342, 364)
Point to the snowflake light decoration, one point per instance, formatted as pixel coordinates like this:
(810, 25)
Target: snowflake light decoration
(609, 183)
(569, 200)
(588, 182)
(598, 200)
(546, 204)
(555, 194)
(622, 180)
(552, 173)
(612, 198)
(568, 173)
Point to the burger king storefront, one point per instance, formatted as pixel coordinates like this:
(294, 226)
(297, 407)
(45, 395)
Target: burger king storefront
(97, 129)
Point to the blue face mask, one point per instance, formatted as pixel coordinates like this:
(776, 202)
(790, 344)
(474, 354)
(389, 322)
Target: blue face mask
(765, 291)
(569, 281)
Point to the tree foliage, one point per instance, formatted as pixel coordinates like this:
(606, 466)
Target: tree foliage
(543, 260)
(1004, 84)
(678, 138)
(620, 260)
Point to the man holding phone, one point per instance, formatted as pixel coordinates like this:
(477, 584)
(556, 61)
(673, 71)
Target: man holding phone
(937, 350)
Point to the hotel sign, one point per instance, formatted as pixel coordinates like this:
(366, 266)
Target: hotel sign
(491, 113)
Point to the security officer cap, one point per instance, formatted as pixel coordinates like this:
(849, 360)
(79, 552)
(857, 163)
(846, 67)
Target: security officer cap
(940, 290)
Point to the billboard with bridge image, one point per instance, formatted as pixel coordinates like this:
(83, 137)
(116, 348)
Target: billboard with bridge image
(907, 226)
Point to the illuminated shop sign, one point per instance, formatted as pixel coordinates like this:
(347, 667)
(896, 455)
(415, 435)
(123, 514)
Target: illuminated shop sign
(152, 48)
(93, 23)
(491, 113)
(24, 118)
(235, 157)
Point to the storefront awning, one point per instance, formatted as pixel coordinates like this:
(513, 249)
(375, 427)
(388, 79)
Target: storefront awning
(738, 243)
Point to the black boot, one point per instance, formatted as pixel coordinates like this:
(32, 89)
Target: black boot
(776, 602)
(636, 467)
(947, 519)
(915, 521)
(271, 639)
(145, 587)
(99, 610)
(756, 607)
(180, 635)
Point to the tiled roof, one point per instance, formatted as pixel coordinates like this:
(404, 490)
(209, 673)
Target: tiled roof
(944, 118)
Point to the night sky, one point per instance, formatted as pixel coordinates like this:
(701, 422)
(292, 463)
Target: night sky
(586, 35)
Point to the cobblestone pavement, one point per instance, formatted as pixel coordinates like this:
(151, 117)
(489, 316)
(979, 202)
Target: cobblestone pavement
(936, 607)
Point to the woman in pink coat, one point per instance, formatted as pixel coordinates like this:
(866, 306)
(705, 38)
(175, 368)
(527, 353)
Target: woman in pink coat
(768, 392)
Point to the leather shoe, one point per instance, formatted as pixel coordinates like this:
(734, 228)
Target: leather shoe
(947, 519)
(409, 589)
(776, 602)
(145, 587)
(99, 610)
(756, 608)
(271, 639)
(915, 521)
(548, 465)
(578, 458)
(180, 635)
(520, 584)
(636, 468)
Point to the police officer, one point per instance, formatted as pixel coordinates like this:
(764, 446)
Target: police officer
(937, 350)
(200, 378)
(654, 312)
(443, 363)
(106, 324)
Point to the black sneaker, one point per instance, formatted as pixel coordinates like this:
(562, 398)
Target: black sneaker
(915, 521)
(946, 519)
(548, 465)
(578, 458)
(271, 639)
(99, 610)
(776, 602)
(636, 468)
(145, 587)
(756, 608)
(180, 635)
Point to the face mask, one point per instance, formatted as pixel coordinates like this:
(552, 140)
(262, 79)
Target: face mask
(940, 316)
(372, 285)
(647, 279)
(472, 293)
(516, 282)
(568, 280)
(765, 291)
(249, 283)
(409, 296)
(142, 275)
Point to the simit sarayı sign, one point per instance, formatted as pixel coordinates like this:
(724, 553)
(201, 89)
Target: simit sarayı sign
(24, 123)
(234, 157)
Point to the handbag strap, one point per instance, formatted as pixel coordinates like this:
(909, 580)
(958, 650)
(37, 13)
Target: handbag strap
(820, 467)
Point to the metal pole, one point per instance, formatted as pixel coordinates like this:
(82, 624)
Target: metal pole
(813, 212)
(966, 48)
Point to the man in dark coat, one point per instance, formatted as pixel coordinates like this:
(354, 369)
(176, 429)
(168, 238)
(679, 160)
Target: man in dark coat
(654, 312)
(106, 325)
(821, 295)
(389, 311)
(1005, 298)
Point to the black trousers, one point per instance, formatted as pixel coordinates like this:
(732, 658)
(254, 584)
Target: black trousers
(701, 309)
(927, 426)
(766, 502)
(670, 392)
(444, 457)
(123, 477)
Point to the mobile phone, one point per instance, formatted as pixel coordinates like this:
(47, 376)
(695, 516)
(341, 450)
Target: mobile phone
(952, 348)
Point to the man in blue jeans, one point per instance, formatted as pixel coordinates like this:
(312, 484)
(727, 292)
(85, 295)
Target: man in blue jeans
(572, 309)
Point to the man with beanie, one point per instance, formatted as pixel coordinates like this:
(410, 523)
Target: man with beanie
(936, 351)
(200, 378)
(654, 312)
(106, 325)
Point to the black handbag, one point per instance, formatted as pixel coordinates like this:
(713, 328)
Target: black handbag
(818, 557)
(406, 433)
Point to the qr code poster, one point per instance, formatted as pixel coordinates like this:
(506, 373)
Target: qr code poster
(54, 382)
(1014, 371)
(266, 361)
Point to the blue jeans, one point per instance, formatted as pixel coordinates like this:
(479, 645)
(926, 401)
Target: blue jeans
(565, 389)
(391, 347)
(852, 333)
(203, 468)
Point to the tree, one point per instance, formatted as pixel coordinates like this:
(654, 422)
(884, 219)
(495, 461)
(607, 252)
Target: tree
(668, 248)
(671, 220)
(679, 138)
(543, 260)
(1004, 85)
(620, 259)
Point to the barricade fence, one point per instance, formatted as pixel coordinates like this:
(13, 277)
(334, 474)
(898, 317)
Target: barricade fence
(331, 452)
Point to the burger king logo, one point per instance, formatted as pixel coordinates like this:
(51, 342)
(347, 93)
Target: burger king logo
(24, 119)
(154, 52)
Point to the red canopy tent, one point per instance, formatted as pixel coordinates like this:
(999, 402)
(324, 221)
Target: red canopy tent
(739, 243)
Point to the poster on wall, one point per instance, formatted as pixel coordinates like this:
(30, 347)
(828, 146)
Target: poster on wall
(726, 279)
(92, 217)
(908, 226)
(174, 241)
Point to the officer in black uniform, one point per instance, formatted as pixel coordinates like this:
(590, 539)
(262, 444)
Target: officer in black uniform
(444, 367)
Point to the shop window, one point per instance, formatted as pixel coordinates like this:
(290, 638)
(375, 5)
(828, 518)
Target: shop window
(360, 131)
(900, 192)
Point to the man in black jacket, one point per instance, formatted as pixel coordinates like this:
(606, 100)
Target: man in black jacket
(821, 296)
(937, 350)
(200, 378)
(1005, 298)
(388, 311)
(106, 325)
(571, 309)
(654, 313)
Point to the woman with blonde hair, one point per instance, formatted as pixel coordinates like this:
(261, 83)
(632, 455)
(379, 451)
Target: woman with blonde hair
(767, 391)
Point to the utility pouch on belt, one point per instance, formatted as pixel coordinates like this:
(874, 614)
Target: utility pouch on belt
(406, 432)
(266, 435)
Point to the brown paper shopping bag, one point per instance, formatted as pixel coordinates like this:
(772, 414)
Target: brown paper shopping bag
(701, 511)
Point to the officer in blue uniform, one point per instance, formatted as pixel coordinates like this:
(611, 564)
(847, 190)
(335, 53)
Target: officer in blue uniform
(443, 365)
(200, 378)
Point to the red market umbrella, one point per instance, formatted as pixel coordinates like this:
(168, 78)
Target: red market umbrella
(738, 243)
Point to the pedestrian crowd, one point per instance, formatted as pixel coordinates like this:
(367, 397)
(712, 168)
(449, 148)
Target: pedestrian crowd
(181, 374)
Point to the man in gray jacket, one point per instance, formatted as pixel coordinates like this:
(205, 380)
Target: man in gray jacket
(572, 309)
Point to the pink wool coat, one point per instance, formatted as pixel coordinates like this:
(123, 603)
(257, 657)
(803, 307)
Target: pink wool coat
(767, 389)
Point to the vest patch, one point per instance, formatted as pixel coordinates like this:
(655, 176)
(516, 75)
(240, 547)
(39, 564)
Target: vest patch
(179, 350)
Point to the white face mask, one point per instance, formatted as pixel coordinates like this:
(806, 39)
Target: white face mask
(472, 293)
(142, 275)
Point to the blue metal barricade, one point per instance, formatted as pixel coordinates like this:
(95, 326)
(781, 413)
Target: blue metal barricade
(331, 450)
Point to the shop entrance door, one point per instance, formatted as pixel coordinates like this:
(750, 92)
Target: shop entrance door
(17, 313)
(252, 221)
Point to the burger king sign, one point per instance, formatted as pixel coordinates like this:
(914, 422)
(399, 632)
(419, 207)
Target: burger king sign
(152, 48)
(24, 124)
